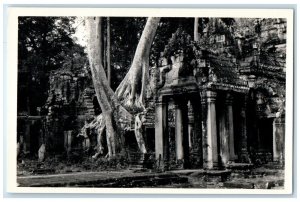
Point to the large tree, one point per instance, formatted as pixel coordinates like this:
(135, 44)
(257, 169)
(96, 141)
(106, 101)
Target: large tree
(44, 44)
(120, 107)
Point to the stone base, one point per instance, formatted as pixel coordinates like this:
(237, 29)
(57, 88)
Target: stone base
(244, 157)
(162, 166)
(239, 166)
(217, 175)
(212, 166)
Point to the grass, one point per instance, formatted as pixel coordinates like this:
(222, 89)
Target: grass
(72, 163)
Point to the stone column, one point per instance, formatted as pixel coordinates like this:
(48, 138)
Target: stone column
(68, 140)
(224, 136)
(204, 127)
(178, 131)
(278, 139)
(230, 128)
(190, 125)
(21, 143)
(161, 131)
(227, 132)
(197, 133)
(87, 142)
(27, 137)
(181, 132)
(244, 156)
(212, 146)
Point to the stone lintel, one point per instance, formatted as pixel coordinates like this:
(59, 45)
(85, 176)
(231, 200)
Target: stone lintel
(230, 87)
(179, 89)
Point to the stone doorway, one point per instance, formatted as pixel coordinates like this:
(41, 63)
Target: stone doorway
(265, 134)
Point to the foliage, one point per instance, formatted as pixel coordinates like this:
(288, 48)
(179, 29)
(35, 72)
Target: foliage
(179, 42)
(43, 40)
(125, 35)
(166, 29)
(72, 163)
(44, 44)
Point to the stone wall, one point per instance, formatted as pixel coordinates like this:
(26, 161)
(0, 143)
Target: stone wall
(246, 60)
(70, 103)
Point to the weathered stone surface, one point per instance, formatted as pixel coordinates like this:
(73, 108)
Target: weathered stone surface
(42, 153)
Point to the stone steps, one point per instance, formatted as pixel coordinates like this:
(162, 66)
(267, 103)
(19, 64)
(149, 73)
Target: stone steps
(136, 161)
(88, 102)
(204, 177)
(239, 176)
(240, 166)
(256, 174)
(274, 165)
(249, 171)
(248, 177)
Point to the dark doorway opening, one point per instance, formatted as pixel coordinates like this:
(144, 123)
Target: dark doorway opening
(265, 134)
(150, 139)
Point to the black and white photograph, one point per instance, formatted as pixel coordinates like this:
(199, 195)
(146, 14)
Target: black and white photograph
(191, 102)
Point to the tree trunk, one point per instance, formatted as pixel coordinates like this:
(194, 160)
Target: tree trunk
(107, 100)
(104, 46)
(108, 52)
(131, 91)
(138, 131)
(196, 32)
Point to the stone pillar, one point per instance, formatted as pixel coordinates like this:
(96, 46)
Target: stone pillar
(86, 144)
(178, 131)
(191, 132)
(21, 143)
(68, 140)
(227, 132)
(244, 156)
(190, 125)
(181, 130)
(230, 128)
(27, 137)
(181, 133)
(212, 145)
(278, 139)
(204, 127)
(224, 136)
(161, 131)
(197, 134)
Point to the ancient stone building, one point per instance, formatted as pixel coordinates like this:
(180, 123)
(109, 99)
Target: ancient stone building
(70, 104)
(230, 108)
(225, 105)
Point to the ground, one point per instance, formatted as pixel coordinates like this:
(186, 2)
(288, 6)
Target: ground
(238, 176)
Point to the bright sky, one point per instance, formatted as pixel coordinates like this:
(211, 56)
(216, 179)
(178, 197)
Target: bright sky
(80, 33)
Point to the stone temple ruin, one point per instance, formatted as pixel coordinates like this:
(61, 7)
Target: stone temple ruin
(206, 112)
